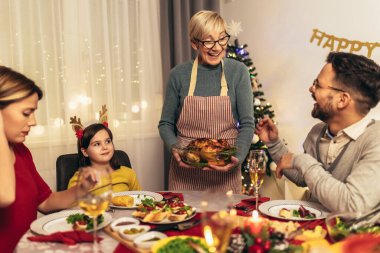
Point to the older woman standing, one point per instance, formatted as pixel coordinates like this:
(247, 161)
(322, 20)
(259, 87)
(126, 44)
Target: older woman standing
(208, 98)
(22, 190)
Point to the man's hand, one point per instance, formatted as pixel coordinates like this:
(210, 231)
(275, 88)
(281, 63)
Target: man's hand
(285, 162)
(234, 163)
(266, 130)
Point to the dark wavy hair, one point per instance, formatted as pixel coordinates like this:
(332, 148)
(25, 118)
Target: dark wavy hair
(14, 87)
(358, 75)
(88, 133)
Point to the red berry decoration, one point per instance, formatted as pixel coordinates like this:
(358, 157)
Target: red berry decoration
(258, 240)
(256, 249)
(267, 246)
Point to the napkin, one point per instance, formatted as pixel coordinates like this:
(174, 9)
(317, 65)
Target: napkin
(168, 195)
(67, 237)
(248, 205)
(123, 249)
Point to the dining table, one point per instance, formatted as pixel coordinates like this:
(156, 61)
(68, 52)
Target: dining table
(215, 201)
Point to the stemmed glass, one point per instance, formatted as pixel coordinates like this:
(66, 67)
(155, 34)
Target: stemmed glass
(218, 226)
(256, 163)
(94, 194)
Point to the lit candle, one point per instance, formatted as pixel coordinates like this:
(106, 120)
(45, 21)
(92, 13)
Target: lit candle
(255, 224)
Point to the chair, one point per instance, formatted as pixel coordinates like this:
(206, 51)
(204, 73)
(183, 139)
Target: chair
(68, 164)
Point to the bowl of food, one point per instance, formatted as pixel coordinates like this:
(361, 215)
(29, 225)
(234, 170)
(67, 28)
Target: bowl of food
(337, 227)
(123, 221)
(130, 232)
(341, 225)
(202, 152)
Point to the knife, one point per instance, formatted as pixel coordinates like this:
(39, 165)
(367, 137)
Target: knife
(179, 226)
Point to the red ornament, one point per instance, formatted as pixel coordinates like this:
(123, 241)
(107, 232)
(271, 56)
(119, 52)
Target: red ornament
(256, 249)
(105, 123)
(258, 240)
(267, 245)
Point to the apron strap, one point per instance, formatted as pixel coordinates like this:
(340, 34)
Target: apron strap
(193, 80)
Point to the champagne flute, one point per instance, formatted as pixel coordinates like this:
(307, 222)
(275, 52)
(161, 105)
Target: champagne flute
(257, 165)
(94, 193)
(217, 227)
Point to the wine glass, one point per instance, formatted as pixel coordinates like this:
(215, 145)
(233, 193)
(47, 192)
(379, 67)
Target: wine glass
(256, 163)
(217, 226)
(94, 193)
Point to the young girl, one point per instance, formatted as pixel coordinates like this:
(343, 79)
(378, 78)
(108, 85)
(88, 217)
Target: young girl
(96, 150)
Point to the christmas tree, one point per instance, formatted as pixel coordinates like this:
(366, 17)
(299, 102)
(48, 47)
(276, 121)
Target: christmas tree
(260, 106)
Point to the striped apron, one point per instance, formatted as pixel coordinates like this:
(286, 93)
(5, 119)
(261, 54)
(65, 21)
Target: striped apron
(205, 117)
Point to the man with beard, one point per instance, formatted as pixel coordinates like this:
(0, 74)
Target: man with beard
(341, 162)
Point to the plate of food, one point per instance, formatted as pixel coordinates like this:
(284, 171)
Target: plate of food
(183, 243)
(164, 212)
(293, 210)
(132, 199)
(67, 220)
(202, 152)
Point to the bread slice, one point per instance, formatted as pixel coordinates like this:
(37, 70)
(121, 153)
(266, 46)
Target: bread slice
(139, 214)
(177, 217)
(125, 200)
(285, 213)
(155, 216)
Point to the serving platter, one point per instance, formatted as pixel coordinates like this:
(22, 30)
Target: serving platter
(167, 221)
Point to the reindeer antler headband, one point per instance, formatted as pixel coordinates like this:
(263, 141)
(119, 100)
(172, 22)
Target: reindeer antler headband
(78, 128)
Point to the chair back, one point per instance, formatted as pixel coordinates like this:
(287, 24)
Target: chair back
(68, 164)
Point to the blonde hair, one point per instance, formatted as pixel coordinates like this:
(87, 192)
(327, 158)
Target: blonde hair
(14, 87)
(203, 22)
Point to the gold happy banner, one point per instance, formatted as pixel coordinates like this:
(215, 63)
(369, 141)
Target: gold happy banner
(340, 44)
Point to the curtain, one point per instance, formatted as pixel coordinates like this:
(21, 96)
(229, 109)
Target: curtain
(175, 42)
(83, 54)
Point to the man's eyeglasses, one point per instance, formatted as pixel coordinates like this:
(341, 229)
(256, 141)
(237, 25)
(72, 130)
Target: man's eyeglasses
(211, 43)
(317, 86)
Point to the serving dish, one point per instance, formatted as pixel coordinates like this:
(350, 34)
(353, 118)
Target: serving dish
(203, 152)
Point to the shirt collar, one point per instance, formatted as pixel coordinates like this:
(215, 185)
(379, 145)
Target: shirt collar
(355, 130)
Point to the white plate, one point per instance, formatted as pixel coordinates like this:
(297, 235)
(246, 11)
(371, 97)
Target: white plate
(272, 208)
(138, 196)
(167, 221)
(57, 222)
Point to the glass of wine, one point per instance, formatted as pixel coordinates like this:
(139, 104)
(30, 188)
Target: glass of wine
(218, 226)
(256, 162)
(94, 193)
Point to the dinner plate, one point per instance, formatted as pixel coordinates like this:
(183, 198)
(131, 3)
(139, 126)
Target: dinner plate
(56, 222)
(167, 221)
(161, 243)
(272, 209)
(137, 196)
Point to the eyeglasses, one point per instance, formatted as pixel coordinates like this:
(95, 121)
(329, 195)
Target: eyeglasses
(317, 86)
(211, 43)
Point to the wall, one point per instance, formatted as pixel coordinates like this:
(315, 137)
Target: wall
(277, 34)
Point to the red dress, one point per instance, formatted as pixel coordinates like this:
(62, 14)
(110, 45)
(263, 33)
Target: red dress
(31, 191)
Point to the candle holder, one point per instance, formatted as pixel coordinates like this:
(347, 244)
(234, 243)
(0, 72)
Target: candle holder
(261, 238)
